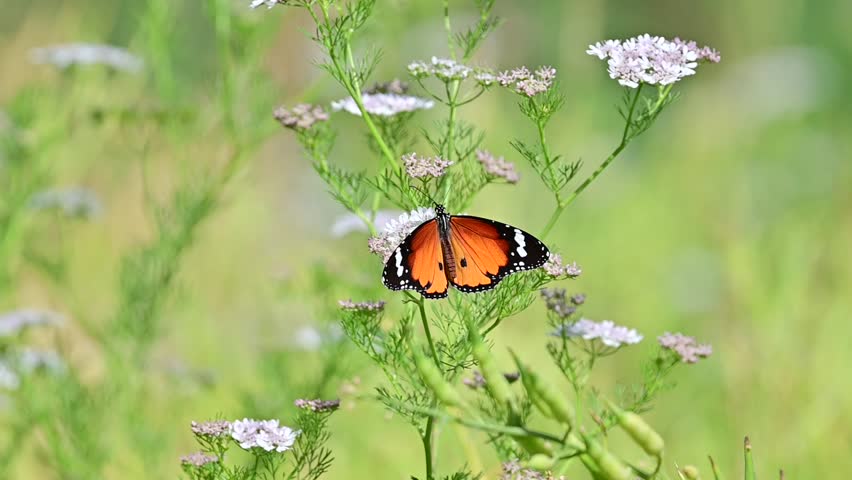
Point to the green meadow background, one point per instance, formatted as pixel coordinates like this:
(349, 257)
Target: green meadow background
(730, 220)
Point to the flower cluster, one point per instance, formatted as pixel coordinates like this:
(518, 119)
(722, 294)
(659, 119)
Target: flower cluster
(497, 166)
(420, 167)
(652, 60)
(198, 459)
(558, 303)
(211, 429)
(515, 471)
(362, 306)
(12, 323)
(268, 3)
(75, 202)
(396, 230)
(383, 104)
(522, 81)
(317, 405)
(555, 268)
(607, 332)
(300, 117)
(263, 434)
(450, 70)
(64, 56)
(395, 86)
(687, 348)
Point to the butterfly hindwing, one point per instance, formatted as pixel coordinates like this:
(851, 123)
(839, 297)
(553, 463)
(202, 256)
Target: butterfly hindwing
(417, 263)
(486, 251)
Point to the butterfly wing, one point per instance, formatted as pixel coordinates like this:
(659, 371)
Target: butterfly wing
(418, 264)
(486, 251)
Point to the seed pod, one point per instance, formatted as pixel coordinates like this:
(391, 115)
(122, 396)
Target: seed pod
(495, 382)
(641, 433)
(557, 406)
(690, 472)
(435, 379)
(611, 468)
(534, 445)
(541, 462)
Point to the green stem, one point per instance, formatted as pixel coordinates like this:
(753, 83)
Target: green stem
(427, 447)
(449, 29)
(625, 140)
(452, 95)
(422, 307)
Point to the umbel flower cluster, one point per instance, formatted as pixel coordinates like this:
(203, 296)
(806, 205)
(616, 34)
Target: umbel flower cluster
(267, 435)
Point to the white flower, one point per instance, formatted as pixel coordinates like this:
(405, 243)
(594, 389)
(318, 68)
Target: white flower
(268, 3)
(64, 56)
(383, 104)
(264, 434)
(30, 360)
(607, 332)
(8, 378)
(75, 202)
(396, 230)
(652, 60)
(417, 166)
(447, 69)
(11, 323)
(349, 222)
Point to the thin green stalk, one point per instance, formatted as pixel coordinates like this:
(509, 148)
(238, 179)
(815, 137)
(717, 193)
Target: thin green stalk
(427, 447)
(448, 27)
(452, 95)
(428, 451)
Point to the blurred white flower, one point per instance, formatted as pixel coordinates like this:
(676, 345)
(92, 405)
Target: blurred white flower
(264, 434)
(652, 60)
(30, 360)
(75, 202)
(12, 323)
(308, 338)
(383, 104)
(349, 222)
(8, 378)
(607, 332)
(396, 230)
(64, 56)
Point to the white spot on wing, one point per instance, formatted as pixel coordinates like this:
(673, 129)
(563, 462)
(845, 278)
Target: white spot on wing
(519, 239)
(398, 258)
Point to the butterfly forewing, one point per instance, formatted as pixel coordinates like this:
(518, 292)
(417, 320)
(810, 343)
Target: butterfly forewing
(417, 264)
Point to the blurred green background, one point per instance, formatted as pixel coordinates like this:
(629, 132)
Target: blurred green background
(730, 220)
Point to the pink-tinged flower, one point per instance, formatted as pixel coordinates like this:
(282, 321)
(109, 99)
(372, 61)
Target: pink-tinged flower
(362, 306)
(396, 230)
(215, 428)
(317, 405)
(652, 60)
(555, 268)
(383, 104)
(606, 332)
(497, 166)
(263, 434)
(420, 167)
(524, 82)
(687, 348)
(300, 117)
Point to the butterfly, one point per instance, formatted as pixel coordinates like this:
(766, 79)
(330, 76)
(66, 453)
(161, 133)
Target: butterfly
(470, 253)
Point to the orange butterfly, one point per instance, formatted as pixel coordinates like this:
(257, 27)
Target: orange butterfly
(470, 253)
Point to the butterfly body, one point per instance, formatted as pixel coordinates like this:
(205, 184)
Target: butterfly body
(472, 254)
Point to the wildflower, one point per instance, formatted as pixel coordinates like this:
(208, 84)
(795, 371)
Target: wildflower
(607, 332)
(64, 56)
(485, 78)
(396, 230)
(75, 202)
(419, 167)
(395, 86)
(212, 429)
(12, 323)
(9, 380)
(447, 69)
(513, 470)
(687, 348)
(349, 222)
(556, 303)
(362, 306)
(652, 60)
(497, 166)
(554, 267)
(198, 459)
(268, 3)
(383, 104)
(419, 69)
(30, 360)
(263, 434)
(300, 117)
(578, 299)
(527, 83)
(317, 405)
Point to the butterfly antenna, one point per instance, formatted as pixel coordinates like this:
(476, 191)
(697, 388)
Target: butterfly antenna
(426, 194)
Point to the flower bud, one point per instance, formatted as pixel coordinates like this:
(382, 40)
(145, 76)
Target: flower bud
(641, 433)
(690, 472)
(541, 462)
(611, 468)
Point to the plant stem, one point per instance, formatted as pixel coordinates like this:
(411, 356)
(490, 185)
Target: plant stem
(427, 447)
(449, 29)
(625, 140)
(452, 95)
(427, 435)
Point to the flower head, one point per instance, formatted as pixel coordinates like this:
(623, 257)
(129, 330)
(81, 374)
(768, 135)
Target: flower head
(211, 429)
(263, 434)
(64, 56)
(198, 459)
(420, 167)
(524, 82)
(513, 470)
(395, 86)
(607, 332)
(383, 104)
(362, 306)
(300, 117)
(687, 348)
(75, 202)
(12, 323)
(497, 166)
(556, 302)
(268, 3)
(652, 60)
(555, 268)
(317, 405)
(396, 230)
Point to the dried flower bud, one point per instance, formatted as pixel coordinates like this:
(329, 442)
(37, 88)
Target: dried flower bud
(301, 117)
(420, 167)
(198, 459)
(497, 166)
(362, 306)
(317, 405)
(211, 429)
(395, 86)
